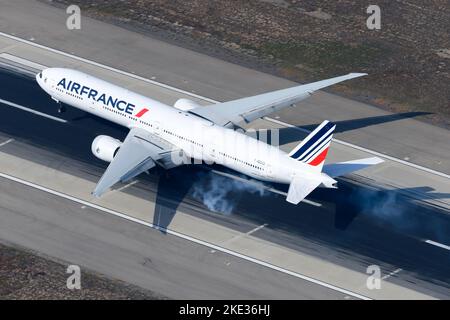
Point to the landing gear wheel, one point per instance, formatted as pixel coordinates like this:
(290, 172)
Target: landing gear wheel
(61, 108)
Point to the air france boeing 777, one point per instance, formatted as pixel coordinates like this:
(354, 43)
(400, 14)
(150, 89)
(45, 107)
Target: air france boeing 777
(166, 136)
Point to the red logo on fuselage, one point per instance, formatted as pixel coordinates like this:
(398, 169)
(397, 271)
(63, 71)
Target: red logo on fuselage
(141, 113)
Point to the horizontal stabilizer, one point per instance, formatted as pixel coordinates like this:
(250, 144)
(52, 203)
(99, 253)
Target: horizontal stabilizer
(300, 188)
(342, 168)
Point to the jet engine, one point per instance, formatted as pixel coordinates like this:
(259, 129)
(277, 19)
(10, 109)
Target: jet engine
(105, 147)
(185, 104)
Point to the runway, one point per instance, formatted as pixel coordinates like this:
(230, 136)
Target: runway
(136, 254)
(334, 243)
(340, 232)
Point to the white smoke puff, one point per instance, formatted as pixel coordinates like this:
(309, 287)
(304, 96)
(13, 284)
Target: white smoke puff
(214, 192)
(381, 204)
(385, 205)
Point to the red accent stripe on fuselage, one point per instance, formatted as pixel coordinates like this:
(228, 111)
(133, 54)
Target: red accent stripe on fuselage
(141, 113)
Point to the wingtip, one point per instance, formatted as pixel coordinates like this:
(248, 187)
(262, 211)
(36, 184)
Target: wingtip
(357, 74)
(378, 160)
(375, 160)
(96, 194)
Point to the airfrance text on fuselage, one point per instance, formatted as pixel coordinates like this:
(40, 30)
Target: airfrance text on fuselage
(107, 100)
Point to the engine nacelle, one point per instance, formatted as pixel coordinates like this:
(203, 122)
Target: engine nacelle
(185, 104)
(105, 147)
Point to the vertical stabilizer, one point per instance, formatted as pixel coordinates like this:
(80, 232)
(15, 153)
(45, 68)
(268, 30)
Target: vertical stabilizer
(313, 150)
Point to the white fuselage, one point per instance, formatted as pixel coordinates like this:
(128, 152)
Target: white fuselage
(197, 137)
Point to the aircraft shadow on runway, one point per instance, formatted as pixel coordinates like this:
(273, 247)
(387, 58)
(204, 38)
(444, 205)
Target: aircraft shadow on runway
(352, 200)
(173, 186)
(293, 134)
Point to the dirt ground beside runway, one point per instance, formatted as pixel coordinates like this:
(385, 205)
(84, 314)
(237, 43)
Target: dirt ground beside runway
(408, 59)
(26, 275)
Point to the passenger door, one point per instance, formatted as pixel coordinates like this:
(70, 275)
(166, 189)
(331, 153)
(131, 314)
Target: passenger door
(268, 170)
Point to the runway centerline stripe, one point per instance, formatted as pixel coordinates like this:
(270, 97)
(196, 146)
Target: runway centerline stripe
(392, 273)
(242, 235)
(186, 237)
(18, 106)
(6, 142)
(125, 186)
(437, 244)
(162, 85)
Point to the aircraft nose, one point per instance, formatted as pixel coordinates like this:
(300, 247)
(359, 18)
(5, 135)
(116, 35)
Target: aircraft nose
(39, 78)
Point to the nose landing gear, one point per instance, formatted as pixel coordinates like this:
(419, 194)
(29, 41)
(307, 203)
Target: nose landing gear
(61, 108)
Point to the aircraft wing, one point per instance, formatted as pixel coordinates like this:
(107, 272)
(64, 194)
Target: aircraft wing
(139, 152)
(251, 108)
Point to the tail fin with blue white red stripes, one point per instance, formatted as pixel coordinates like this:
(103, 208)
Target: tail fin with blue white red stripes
(313, 150)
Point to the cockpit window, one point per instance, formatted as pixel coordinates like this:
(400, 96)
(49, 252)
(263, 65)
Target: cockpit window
(40, 75)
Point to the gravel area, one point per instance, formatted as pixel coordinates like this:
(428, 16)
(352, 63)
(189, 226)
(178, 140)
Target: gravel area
(29, 275)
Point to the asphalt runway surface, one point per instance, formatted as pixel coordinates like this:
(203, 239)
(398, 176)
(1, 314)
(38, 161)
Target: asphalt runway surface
(358, 225)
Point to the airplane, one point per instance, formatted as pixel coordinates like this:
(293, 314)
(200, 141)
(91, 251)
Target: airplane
(186, 133)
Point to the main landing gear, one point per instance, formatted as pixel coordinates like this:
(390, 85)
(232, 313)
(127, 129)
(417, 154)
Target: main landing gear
(61, 108)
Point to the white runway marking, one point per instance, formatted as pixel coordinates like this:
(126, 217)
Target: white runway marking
(162, 85)
(437, 244)
(186, 237)
(391, 274)
(7, 48)
(22, 61)
(6, 142)
(236, 237)
(126, 186)
(256, 229)
(18, 106)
